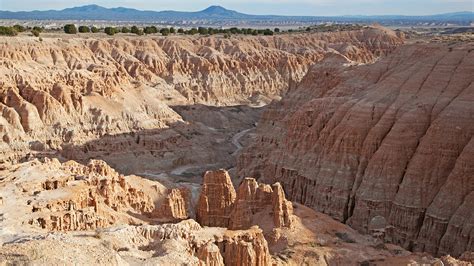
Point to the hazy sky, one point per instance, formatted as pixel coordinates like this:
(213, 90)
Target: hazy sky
(277, 7)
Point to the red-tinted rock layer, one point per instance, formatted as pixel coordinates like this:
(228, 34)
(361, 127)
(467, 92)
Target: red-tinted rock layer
(219, 204)
(393, 139)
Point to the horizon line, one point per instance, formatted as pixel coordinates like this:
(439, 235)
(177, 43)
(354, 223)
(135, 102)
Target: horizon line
(202, 9)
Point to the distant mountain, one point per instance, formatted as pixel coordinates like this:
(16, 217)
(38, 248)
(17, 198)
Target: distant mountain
(218, 14)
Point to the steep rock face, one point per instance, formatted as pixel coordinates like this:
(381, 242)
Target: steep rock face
(175, 206)
(216, 199)
(253, 203)
(73, 90)
(245, 248)
(391, 140)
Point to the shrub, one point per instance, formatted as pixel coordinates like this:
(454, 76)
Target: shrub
(18, 28)
(84, 29)
(192, 31)
(165, 31)
(8, 31)
(35, 33)
(135, 30)
(172, 30)
(150, 30)
(94, 29)
(70, 29)
(202, 31)
(276, 30)
(38, 29)
(125, 30)
(268, 32)
(110, 31)
(180, 30)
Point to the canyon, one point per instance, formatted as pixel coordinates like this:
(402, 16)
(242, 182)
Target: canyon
(389, 142)
(340, 148)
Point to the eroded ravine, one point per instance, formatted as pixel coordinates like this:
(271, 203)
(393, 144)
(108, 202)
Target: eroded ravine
(383, 141)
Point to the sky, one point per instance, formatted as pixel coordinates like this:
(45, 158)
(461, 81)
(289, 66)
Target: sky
(264, 7)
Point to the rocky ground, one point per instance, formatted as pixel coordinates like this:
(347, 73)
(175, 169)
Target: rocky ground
(107, 143)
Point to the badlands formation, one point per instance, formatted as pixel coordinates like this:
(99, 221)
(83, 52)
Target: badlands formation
(106, 143)
(382, 147)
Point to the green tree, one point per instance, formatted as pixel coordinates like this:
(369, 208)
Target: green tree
(70, 29)
(150, 30)
(18, 28)
(94, 29)
(276, 30)
(38, 29)
(202, 31)
(110, 31)
(35, 33)
(180, 30)
(268, 32)
(84, 29)
(165, 31)
(125, 30)
(134, 30)
(172, 30)
(193, 31)
(8, 31)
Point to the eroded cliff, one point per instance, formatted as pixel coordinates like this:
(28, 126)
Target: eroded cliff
(386, 146)
(74, 90)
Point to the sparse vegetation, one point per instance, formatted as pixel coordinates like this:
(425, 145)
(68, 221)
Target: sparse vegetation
(125, 30)
(19, 28)
(150, 30)
(70, 29)
(84, 29)
(165, 31)
(35, 33)
(110, 31)
(8, 31)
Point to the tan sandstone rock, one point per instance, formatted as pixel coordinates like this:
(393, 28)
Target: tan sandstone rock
(253, 204)
(389, 141)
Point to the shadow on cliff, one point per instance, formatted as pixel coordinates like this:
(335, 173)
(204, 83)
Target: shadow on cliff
(204, 140)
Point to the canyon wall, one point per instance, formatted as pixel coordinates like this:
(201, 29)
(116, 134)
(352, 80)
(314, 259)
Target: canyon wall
(387, 144)
(74, 90)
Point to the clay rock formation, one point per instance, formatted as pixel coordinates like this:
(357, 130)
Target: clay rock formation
(216, 199)
(69, 91)
(70, 197)
(184, 243)
(393, 139)
(253, 204)
(175, 206)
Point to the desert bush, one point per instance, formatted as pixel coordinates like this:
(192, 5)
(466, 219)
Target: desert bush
(35, 33)
(84, 29)
(150, 30)
(165, 31)
(125, 30)
(8, 31)
(70, 29)
(19, 28)
(94, 29)
(110, 31)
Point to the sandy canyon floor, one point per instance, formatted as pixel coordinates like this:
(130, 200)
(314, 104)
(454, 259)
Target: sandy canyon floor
(339, 148)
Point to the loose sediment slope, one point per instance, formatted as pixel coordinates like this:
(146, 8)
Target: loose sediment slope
(384, 146)
(73, 91)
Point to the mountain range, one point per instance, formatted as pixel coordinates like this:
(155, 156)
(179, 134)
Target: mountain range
(216, 13)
